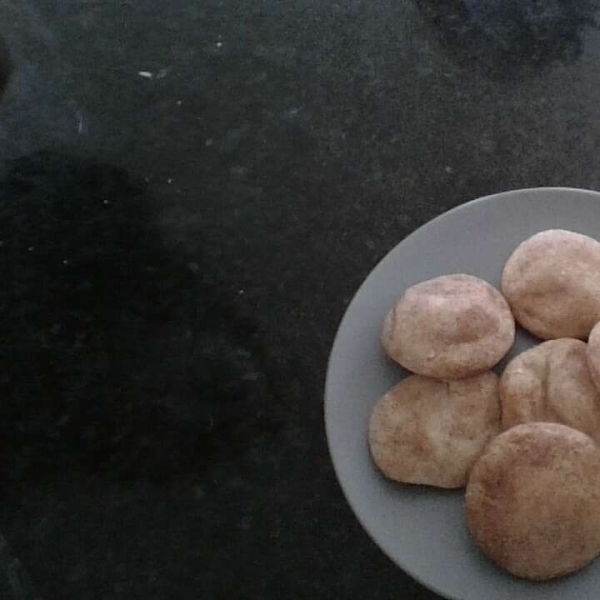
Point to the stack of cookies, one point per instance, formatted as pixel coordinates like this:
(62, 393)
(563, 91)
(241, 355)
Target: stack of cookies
(525, 445)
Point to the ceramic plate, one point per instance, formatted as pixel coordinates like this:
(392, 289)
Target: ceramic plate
(424, 530)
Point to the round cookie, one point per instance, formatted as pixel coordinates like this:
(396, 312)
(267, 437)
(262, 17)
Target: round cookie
(532, 501)
(593, 354)
(551, 382)
(450, 327)
(430, 432)
(552, 283)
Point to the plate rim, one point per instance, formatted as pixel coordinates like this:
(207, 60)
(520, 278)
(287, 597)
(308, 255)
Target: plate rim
(329, 377)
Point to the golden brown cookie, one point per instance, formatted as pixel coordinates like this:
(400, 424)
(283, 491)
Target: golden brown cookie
(551, 382)
(552, 283)
(450, 327)
(532, 500)
(430, 432)
(593, 355)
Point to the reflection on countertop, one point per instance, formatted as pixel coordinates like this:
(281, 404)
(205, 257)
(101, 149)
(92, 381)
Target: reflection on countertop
(507, 37)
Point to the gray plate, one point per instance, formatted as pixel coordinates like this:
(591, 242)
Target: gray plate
(422, 530)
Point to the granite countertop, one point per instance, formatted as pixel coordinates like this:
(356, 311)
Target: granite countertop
(190, 194)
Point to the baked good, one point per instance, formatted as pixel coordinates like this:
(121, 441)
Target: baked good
(450, 327)
(532, 500)
(551, 382)
(430, 432)
(593, 354)
(552, 283)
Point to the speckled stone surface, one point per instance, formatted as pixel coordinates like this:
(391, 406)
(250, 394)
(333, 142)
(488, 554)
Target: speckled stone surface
(191, 193)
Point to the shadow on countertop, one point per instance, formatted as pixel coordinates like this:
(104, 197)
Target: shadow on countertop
(119, 356)
(506, 38)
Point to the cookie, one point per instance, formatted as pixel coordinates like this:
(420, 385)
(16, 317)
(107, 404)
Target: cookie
(552, 283)
(551, 382)
(450, 327)
(532, 501)
(430, 432)
(593, 355)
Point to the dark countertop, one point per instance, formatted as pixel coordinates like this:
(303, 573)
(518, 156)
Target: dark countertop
(192, 192)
